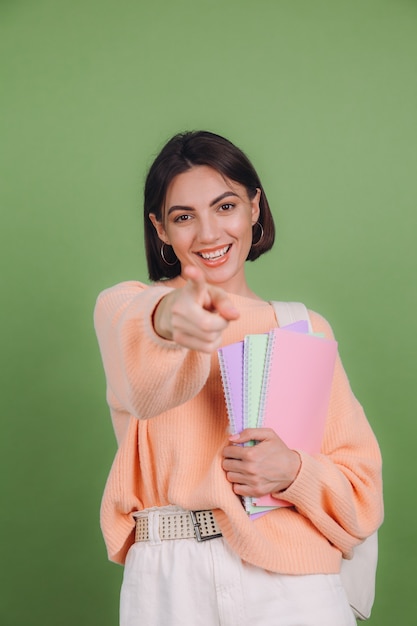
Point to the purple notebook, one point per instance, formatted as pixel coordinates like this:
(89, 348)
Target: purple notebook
(231, 368)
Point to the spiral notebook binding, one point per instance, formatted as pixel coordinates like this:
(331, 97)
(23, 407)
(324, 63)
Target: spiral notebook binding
(247, 364)
(266, 376)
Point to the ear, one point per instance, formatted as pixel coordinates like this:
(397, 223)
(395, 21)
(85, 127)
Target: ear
(256, 211)
(159, 227)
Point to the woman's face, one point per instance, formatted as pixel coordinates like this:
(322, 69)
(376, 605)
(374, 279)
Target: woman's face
(208, 221)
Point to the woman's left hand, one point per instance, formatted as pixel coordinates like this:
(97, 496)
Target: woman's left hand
(267, 467)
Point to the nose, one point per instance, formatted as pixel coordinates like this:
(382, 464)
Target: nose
(208, 230)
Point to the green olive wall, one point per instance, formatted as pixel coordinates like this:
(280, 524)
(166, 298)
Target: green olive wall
(322, 96)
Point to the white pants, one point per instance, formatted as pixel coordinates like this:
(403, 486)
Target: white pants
(181, 582)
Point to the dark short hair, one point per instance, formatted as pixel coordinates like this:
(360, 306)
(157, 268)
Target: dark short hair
(180, 154)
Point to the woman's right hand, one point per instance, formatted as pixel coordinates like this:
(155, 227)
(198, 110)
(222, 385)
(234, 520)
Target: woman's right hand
(195, 316)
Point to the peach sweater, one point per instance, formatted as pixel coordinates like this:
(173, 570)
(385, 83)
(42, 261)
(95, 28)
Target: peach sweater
(170, 421)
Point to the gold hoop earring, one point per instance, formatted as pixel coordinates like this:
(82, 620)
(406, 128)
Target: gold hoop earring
(163, 255)
(255, 243)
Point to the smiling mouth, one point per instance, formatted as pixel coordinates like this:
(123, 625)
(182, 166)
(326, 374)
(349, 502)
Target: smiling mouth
(215, 254)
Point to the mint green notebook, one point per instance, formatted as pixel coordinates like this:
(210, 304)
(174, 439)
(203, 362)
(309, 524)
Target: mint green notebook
(253, 371)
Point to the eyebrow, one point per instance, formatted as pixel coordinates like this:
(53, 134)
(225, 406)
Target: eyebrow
(226, 194)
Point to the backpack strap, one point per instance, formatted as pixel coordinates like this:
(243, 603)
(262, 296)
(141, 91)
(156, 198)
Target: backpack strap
(290, 312)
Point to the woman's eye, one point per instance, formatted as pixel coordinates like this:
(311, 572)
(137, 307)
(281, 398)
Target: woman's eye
(182, 218)
(226, 207)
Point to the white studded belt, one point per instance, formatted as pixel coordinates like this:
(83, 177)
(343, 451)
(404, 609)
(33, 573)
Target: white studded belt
(200, 525)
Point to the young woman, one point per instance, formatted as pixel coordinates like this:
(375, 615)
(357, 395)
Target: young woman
(178, 475)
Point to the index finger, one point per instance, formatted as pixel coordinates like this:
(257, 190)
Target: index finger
(221, 303)
(212, 298)
(196, 283)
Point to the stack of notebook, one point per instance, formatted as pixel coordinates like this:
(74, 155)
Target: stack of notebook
(280, 380)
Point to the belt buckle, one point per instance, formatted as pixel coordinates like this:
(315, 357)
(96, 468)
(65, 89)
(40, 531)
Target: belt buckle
(197, 530)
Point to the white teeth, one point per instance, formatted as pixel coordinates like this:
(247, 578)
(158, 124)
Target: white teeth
(214, 255)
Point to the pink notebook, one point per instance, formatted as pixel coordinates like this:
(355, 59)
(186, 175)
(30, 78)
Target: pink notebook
(296, 390)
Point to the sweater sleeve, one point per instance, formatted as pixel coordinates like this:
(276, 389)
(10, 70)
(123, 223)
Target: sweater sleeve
(146, 375)
(340, 490)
